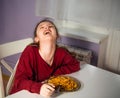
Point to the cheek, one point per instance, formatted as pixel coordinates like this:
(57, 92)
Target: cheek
(55, 33)
(39, 34)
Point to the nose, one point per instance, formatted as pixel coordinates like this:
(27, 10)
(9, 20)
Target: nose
(46, 27)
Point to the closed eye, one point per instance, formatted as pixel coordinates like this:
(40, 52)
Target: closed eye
(41, 27)
(51, 26)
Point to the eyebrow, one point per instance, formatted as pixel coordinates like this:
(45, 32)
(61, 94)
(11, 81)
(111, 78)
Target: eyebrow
(47, 24)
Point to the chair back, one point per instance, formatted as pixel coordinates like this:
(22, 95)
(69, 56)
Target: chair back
(2, 94)
(9, 49)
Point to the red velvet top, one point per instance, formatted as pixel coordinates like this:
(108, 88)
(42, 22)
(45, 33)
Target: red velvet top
(32, 69)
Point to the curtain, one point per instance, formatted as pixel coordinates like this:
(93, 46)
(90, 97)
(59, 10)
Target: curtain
(86, 12)
(112, 61)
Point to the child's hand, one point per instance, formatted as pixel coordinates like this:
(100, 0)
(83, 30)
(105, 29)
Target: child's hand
(47, 89)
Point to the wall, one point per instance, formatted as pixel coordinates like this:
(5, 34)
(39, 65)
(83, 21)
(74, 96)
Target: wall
(18, 19)
(84, 45)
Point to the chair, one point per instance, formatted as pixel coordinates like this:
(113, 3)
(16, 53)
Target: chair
(2, 94)
(9, 49)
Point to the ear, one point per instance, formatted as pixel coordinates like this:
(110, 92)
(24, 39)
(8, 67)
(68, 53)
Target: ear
(36, 39)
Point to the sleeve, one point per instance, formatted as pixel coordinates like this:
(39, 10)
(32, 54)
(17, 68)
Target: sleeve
(69, 64)
(25, 74)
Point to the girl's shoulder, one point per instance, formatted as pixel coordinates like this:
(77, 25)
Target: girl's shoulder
(30, 48)
(62, 50)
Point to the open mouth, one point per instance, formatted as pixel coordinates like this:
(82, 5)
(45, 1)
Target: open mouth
(47, 32)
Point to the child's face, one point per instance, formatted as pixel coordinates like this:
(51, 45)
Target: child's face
(46, 31)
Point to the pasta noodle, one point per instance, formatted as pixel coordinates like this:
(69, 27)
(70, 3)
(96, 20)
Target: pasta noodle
(64, 82)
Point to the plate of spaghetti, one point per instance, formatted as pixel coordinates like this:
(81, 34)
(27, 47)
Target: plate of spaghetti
(65, 83)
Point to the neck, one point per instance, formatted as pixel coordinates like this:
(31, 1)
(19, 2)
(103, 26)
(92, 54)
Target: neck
(47, 48)
(47, 51)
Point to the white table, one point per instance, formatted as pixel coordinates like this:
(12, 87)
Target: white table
(96, 83)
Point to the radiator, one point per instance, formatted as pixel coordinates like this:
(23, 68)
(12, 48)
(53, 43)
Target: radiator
(79, 53)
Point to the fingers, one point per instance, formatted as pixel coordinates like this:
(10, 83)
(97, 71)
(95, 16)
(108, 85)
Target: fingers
(51, 87)
(47, 89)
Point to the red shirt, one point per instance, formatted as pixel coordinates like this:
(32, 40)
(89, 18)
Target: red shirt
(32, 69)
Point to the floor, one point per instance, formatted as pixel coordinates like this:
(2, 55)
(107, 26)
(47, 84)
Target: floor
(5, 79)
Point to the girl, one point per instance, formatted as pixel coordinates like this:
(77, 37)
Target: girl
(41, 60)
